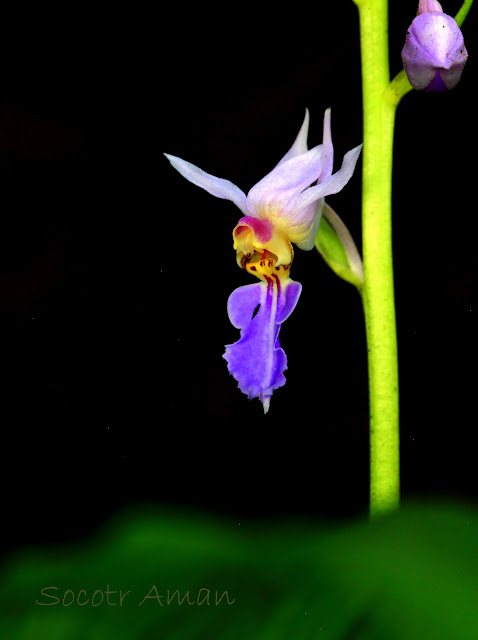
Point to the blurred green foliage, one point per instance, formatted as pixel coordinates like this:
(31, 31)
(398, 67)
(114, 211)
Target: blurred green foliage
(413, 574)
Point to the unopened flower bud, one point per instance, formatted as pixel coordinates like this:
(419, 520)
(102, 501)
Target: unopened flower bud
(434, 54)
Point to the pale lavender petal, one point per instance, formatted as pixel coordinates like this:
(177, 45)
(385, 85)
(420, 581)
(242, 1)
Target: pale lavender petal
(257, 360)
(285, 182)
(333, 184)
(215, 186)
(304, 234)
(328, 149)
(427, 6)
(300, 145)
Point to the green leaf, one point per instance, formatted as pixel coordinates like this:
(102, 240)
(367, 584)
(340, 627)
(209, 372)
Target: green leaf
(410, 575)
(336, 246)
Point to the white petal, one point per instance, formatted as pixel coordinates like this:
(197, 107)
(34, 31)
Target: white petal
(304, 235)
(285, 182)
(328, 150)
(215, 186)
(330, 185)
(300, 144)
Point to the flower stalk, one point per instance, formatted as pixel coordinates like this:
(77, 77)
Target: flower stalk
(380, 100)
(378, 287)
(463, 12)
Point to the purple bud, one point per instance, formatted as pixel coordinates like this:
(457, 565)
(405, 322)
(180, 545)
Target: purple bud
(434, 53)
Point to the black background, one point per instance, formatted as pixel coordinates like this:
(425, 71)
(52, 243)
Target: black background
(115, 271)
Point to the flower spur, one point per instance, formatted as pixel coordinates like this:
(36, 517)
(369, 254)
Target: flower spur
(285, 207)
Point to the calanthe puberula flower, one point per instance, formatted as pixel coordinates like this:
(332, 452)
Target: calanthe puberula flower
(283, 208)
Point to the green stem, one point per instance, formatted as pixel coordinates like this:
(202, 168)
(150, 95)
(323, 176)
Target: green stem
(461, 15)
(380, 100)
(378, 289)
(398, 88)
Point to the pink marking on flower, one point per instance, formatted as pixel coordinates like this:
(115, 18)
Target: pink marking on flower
(262, 229)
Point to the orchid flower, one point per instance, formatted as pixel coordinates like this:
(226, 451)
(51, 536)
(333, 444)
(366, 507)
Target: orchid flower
(283, 208)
